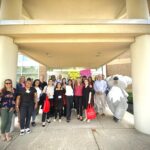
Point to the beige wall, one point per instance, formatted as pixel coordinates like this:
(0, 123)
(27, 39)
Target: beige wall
(43, 71)
(120, 65)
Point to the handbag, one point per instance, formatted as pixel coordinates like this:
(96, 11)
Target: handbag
(46, 107)
(90, 112)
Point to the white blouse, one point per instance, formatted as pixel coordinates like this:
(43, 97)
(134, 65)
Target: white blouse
(49, 90)
(69, 90)
(39, 91)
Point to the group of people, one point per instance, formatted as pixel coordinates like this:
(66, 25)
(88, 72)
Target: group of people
(29, 96)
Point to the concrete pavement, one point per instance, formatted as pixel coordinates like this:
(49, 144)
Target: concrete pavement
(100, 134)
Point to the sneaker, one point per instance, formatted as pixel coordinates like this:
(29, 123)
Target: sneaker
(68, 120)
(88, 120)
(59, 120)
(43, 124)
(22, 132)
(28, 130)
(33, 124)
(48, 121)
(54, 120)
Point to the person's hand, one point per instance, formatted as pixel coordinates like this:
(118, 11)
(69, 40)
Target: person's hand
(17, 109)
(11, 109)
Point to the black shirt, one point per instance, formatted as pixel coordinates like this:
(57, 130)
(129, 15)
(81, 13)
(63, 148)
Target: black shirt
(27, 96)
(43, 84)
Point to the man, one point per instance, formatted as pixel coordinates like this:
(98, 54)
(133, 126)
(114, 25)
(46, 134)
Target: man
(42, 82)
(25, 103)
(100, 87)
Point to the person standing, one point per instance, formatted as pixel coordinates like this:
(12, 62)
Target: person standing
(58, 100)
(87, 92)
(78, 98)
(100, 87)
(26, 102)
(69, 98)
(49, 91)
(36, 85)
(7, 107)
(42, 82)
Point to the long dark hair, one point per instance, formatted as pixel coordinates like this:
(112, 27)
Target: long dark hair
(35, 81)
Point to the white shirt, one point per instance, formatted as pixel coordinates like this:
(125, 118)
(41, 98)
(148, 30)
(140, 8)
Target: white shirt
(69, 90)
(39, 91)
(100, 86)
(49, 90)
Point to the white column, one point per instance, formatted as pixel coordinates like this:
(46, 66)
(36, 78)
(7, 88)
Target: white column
(140, 56)
(137, 9)
(10, 9)
(8, 60)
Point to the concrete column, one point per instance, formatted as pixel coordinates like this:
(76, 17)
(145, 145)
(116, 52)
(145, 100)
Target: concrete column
(11, 9)
(8, 60)
(140, 53)
(137, 9)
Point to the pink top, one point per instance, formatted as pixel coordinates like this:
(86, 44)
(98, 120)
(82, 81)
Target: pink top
(78, 90)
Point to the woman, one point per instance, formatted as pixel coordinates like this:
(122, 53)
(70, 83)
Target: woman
(26, 102)
(87, 91)
(58, 100)
(36, 85)
(21, 83)
(78, 98)
(69, 96)
(49, 91)
(7, 107)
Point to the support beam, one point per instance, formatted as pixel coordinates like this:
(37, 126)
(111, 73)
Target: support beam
(74, 40)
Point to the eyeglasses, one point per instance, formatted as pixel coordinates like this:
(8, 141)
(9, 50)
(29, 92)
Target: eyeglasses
(8, 83)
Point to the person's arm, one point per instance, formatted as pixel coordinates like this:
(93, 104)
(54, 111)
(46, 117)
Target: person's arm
(17, 103)
(35, 100)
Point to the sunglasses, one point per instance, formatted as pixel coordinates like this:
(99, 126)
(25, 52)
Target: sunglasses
(8, 83)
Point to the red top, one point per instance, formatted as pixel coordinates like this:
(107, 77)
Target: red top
(78, 90)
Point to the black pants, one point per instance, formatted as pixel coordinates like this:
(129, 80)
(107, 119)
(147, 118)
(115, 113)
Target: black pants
(52, 108)
(69, 106)
(47, 115)
(78, 100)
(25, 115)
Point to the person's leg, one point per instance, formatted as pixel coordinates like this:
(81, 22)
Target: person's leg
(10, 114)
(23, 112)
(71, 106)
(68, 106)
(44, 119)
(77, 105)
(33, 117)
(103, 103)
(28, 116)
(4, 120)
(60, 114)
(80, 107)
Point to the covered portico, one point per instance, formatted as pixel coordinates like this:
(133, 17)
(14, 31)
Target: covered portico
(81, 43)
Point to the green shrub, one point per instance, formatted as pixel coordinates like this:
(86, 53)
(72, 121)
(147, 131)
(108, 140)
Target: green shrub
(130, 97)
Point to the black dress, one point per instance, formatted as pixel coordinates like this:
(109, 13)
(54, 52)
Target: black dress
(86, 91)
(58, 99)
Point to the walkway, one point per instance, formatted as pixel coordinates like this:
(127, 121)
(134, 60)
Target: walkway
(100, 134)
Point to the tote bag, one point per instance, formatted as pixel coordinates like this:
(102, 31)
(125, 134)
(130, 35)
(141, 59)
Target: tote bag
(90, 112)
(46, 107)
